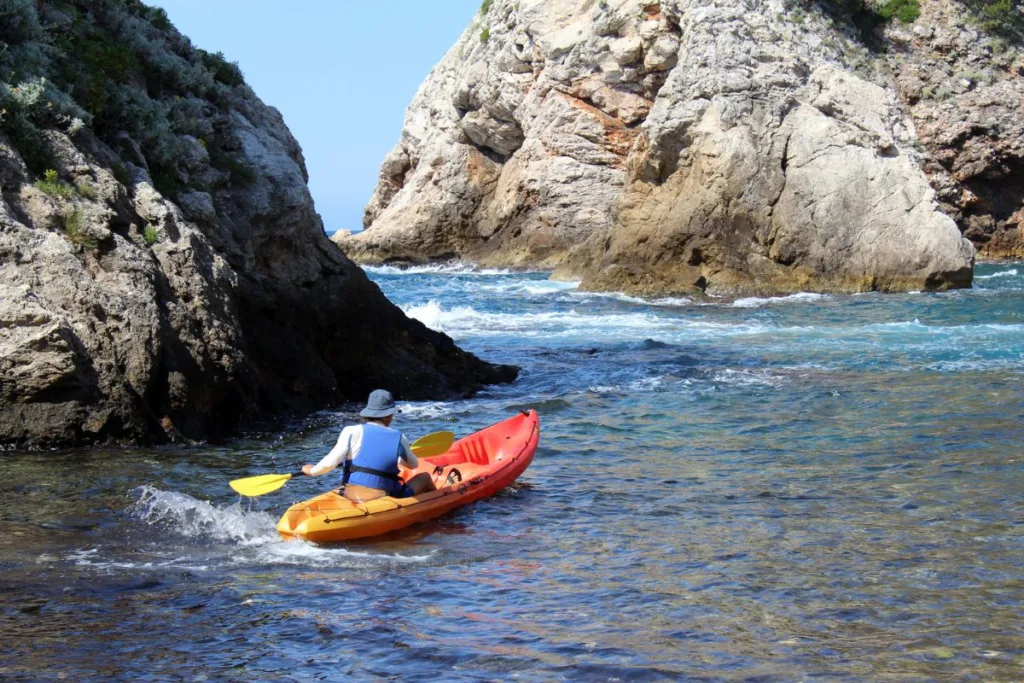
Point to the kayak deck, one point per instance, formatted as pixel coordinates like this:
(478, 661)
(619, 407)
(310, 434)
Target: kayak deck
(476, 466)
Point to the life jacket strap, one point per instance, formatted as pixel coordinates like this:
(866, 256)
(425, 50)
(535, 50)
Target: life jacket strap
(369, 470)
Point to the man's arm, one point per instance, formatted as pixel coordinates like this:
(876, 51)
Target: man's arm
(407, 456)
(334, 458)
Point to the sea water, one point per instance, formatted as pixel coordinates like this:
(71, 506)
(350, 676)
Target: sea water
(822, 487)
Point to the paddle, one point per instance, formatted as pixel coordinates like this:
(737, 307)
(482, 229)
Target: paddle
(424, 447)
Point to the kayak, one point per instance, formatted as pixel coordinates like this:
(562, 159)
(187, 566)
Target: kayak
(475, 467)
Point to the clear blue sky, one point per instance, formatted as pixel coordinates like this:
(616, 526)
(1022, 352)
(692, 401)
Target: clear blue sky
(341, 71)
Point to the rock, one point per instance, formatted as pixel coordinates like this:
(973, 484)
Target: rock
(971, 126)
(669, 147)
(144, 310)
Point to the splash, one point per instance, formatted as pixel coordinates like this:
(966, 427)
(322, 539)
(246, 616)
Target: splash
(757, 302)
(199, 519)
(1012, 272)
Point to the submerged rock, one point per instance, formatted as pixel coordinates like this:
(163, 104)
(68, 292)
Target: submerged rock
(663, 147)
(163, 272)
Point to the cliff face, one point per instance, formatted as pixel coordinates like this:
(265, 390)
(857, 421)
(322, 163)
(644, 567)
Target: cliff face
(163, 272)
(681, 145)
(960, 76)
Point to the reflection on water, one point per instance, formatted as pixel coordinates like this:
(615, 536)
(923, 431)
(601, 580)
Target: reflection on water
(775, 490)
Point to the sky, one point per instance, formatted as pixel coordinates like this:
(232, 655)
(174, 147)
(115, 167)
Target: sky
(341, 72)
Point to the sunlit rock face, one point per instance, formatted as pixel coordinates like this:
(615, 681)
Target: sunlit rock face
(163, 271)
(671, 147)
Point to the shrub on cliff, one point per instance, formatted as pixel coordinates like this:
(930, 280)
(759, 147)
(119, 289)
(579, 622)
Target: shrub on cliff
(1001, 17)
(907, 11)
(117, 66)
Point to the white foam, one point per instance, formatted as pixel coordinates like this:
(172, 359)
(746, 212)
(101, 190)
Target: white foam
(425, 410)
(456, 268)
(193, 518)
(1012, 272)
(466, 321)
(748, 378)
(671, 301)
(617, 296)
(238, 537)
(756, 302)
(636, 386)
(530, 287)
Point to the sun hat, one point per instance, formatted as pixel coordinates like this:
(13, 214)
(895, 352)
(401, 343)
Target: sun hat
(380, 404)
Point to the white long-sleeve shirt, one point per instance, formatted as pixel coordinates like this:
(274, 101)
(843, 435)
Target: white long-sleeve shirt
(349, 442)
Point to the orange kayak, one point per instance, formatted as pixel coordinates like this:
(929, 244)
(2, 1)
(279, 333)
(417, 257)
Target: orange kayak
(475, 467)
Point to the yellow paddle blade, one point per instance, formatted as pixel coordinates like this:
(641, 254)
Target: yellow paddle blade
(257, 486)
(433, 444)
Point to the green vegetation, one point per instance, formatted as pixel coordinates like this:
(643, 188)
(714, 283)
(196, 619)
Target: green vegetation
(222, 161)
(906, 11)
(1002, 18)
(72, 220)
(485, 35)
(51, 185)
(86, 189)
(485, 6)
(121, 174)
(150, 235)
(228, 73)
(115, 66)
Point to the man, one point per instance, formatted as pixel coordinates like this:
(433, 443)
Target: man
(371, 453)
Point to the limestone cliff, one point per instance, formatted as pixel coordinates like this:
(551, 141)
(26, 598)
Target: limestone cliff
(163, 272)
(686, 145)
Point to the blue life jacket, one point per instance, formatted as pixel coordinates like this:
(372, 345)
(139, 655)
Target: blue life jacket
(376, 464)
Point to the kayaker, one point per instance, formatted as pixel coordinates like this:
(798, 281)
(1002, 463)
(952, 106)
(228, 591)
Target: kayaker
(371, 453)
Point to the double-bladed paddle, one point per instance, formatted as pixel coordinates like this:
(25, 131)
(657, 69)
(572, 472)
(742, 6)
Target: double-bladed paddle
(424, 447)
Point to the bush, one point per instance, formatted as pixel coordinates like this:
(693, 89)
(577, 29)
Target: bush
(228, 73)
(1000, 17)
(485, 35)
(158, 17)
(51, 185)
(86, 189)
(121, 174)
(27, 107)
(150, 235)
(19, 22)
(906, 11)
(222, 161)
(72, 220)
(485, 6)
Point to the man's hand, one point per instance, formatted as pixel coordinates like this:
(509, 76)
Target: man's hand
(307, 469)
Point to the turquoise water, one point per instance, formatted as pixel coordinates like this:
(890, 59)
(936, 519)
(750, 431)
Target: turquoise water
(796, 488)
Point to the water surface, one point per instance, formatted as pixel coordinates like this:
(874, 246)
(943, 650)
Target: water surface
(778, 489)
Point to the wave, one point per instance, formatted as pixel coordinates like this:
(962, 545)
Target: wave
(452, 268)
(1012, 272)
(757, 302)
(465, 320)
(192, 518)
(532, 287)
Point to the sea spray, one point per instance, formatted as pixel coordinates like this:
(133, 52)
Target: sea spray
(198, 519)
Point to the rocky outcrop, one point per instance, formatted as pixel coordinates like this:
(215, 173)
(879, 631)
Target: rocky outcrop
(667, 146)
(964, 89)
(163, 272)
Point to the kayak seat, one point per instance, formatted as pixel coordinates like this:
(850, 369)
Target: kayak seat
(471, 451)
